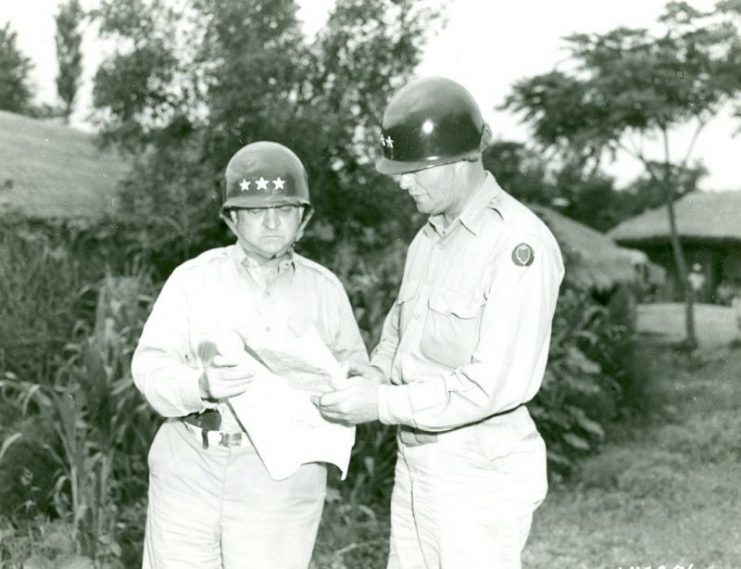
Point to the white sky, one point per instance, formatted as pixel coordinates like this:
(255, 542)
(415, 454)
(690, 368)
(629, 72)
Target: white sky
(487, 45)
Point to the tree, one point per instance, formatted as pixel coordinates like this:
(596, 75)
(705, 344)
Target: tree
(520, 170)
(629, 86)
(68, 40)
(184, 91)
(367, 50)
(15, 95)
(142, 88)
(566, 186)
(643, 193)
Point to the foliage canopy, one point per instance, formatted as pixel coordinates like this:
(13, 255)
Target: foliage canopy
(632, 86)
(186, 90)
(15, 94)
(68, 40)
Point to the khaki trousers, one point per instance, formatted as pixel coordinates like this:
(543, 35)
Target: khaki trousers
(466, 499)
(218, 507)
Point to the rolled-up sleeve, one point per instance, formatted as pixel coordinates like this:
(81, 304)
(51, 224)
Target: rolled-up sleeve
(509, 359)
(161, 366)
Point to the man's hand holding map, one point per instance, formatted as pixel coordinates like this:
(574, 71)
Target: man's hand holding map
(276, 410)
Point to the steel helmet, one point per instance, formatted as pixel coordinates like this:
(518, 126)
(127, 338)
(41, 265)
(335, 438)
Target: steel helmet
(265, 174)
(428, 122)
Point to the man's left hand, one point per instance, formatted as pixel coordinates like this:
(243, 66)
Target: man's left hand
(355, 402)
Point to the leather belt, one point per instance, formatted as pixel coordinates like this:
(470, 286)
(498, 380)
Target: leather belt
(207, 426)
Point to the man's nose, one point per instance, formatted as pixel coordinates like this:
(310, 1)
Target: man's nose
(271, 219)
(405, 181)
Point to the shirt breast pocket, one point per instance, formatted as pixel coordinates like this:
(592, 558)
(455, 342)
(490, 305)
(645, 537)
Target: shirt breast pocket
(406, 302)
(451, 329)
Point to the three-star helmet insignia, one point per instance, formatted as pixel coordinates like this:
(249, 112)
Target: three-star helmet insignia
(261, 184)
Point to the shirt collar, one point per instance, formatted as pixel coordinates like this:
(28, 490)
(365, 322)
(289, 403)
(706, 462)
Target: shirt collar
(241, 258)
(472, 216)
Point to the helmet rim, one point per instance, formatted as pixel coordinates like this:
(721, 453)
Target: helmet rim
(253, 202)
(390, 167)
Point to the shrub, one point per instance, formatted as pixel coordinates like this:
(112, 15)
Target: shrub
(43, 292)
(101, 427)
(27, 480)
(42, 544)
(581, 388)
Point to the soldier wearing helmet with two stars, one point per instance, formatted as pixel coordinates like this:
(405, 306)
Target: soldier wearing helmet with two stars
(464, 346)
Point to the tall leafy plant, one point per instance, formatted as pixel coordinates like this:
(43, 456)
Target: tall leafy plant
(101, 426)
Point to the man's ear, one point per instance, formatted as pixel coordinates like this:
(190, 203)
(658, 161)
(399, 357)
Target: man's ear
(233, 215)
(486, 137)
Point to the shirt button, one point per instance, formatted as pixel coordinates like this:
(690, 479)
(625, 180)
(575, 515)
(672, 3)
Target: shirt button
(267, 328)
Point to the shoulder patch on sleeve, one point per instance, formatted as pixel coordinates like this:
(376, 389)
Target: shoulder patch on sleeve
(523, 255)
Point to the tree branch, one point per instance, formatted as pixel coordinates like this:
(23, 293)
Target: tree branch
(700, 125)
(638, 155)
(637, 149)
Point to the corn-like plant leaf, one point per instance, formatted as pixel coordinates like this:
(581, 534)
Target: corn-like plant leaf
(7, 443)
(576, 441)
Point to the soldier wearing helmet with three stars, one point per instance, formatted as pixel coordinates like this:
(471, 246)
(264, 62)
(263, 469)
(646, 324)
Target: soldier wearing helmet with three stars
(464, 346)
(212, 503)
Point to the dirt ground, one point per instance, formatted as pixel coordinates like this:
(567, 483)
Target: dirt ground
(715, 325)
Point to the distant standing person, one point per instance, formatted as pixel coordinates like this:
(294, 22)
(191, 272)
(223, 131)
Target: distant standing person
(696, 279)
(212, 503)
(736, 304)
(464, 346)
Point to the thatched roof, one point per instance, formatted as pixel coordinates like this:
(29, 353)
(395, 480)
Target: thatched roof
(702, 216)
(52, 171)
(592, 259)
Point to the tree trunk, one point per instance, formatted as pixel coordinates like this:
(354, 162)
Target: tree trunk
(681, 264)
(688, 293)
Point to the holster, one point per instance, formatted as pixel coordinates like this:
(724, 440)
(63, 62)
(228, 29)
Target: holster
(208, 420)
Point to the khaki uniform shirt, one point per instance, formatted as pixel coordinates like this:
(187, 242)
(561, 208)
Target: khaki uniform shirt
(223, 289)
(469, 333)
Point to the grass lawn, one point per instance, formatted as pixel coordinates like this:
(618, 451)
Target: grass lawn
(665, 490)
(50, 170)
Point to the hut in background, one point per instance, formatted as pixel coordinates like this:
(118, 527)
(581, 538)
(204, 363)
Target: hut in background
(617, 277)
(594, 261)
(709, 226)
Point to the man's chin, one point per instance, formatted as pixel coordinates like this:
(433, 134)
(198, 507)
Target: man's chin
(265, 253)
(421, 206)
